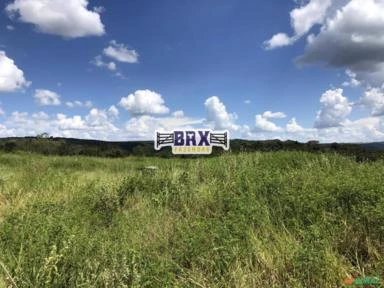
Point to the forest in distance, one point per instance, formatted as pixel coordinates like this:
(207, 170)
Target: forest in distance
(46, 145)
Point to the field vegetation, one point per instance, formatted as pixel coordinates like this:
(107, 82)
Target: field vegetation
(262, 219)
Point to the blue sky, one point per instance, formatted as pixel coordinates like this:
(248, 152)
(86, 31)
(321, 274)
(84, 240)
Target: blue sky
(118, 70)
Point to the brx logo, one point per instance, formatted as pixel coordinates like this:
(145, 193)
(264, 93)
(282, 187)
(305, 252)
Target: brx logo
(192, 141)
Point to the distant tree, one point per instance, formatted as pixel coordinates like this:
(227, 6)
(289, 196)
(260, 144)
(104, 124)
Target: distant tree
(335, 146)
(143, 150)
(114, 152)
(10, 146)
(43, 135)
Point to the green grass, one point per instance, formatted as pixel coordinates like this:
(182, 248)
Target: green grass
(280, 219)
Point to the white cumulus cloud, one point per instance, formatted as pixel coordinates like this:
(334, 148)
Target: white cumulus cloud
(144, 102)
(113, 112)
(217, 115)
(303, 19)
(293, 127)
(278, 40)
(69, 18)
(144, 127)
(47, 98)
(178, 114)
(352, 81)
(11, 77)
(98, 62)
(362, 130)
(100, 120)
(121, 53)
(334, 108)
(95, 125)
(80, 104)
(373, 99)
(274, 115)
(263, 124)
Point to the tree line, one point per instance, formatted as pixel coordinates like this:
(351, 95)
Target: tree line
(43, 144)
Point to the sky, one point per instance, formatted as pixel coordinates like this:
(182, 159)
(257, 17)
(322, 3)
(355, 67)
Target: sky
(119, 70)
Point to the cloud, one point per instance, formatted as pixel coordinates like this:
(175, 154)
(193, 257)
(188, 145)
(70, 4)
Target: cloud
(247, 102)
(303, 19)
(141, 126)
(97, 124)
(69, 18)
(111, 66)
(99, 9)
(74, 104)
(47, 97)
(100, 124)
(178, 114)
(118, 52)
(362, 130)
(275, 115)
(352, 38)
(334, 108)
(40, 116)
(263, 124)
(63, 122)
(120, 75)
(98, 62)
(113, 112)
(245, 132)
(19, 117)
(100, 120)
(11, 77)
(144, 102)
(144, 127)
(352, 82)
(10, 27)
(293, 127)
(121, 53)
(373, 99)
(5, 132)
(217, 116)
(278, 40)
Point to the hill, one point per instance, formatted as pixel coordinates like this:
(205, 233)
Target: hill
(374, 146)
(69, 146)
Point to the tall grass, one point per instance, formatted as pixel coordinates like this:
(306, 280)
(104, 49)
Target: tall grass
(281, 219)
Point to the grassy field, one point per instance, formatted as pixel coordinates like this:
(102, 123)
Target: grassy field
(280, 219)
